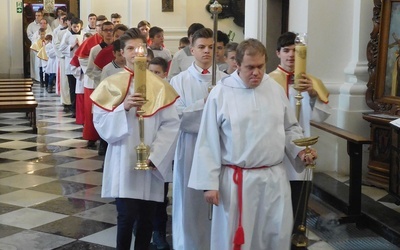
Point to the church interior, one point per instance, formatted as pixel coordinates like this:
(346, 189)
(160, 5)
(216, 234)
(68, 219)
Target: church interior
(50, 179)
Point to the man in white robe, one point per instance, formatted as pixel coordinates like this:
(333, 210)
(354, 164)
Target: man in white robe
(314, 107)
(246, 128)
(190, 225)
(115, 118)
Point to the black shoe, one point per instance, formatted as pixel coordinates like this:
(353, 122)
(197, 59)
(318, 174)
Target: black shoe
(91, 144)
(160, 241)
(73, 115)
(66, 109)
(42, 85)
(102, 147)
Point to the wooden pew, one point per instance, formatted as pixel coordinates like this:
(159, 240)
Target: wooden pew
(10, 94)
(17, 98)
(354, 150)
(21, 106)
(16, 83)
(17, 80)
(17, 86)
(11, 90)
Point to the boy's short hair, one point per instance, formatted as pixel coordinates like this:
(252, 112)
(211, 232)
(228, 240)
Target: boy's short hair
(230, 47)
(132, 33)
(76, 20)
(161, 62)
(48, 37)
(120, 26)
(286, 39)
(88, 34)
(106, 23)
(91, 14)
(116, 15)
(202, 33)
(150, 53)
(222, 37)
(154, 31)
(117, 45)
(184, 40)
(42, 30)
(101, 18)
(143, 23)
(193, 28)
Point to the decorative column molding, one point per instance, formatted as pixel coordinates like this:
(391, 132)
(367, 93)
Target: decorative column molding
(48, 6)
(256, 20)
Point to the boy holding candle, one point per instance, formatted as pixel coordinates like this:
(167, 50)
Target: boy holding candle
(114, 115)
(314, 106)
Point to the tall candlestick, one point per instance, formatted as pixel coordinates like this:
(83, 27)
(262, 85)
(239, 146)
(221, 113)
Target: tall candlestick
(300, 59)
(139, 68)
(300, 62)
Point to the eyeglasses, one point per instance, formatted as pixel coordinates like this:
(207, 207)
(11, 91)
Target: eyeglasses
(108, 30)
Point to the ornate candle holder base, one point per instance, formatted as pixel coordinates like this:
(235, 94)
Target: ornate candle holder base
(298, 97)
(299, 238)
(142, 150)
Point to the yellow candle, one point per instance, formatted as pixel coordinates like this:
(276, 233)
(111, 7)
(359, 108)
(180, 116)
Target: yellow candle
(300, 62)
(139, 68)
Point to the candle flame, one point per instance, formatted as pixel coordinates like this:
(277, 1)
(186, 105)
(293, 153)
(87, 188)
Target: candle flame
(141, 50)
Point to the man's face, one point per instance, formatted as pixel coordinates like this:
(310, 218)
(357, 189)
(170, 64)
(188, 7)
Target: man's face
(119, 59)
(107, 32)
(92, 21)
(220, 52)
(116, 20)
(157, 69)
(202, 50)
(38, 17)
(158, 39)
(76, 27)
(98, 26)
(145, 30)
(231, 60)
(286, 56)
(43, 24)
(129, 51)
(118, 33)
(252, 70)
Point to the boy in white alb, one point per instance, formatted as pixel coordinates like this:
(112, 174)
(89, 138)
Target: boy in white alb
(191, 225)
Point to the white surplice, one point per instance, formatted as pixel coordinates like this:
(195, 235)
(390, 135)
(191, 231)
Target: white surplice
(190, 224)
(248, 128)
(311, 109)
(121, 130)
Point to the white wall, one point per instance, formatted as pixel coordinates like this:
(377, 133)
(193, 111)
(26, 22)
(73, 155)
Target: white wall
(338, 33)
(11, 63)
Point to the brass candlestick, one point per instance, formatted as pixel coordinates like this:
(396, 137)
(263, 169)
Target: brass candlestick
(140, 66)
(300, 64)
(299, 238)
(215, 9)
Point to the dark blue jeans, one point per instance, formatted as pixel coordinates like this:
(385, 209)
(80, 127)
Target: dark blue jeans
(129, 211)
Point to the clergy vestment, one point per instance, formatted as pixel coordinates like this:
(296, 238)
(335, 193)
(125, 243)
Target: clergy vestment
(138, 189)
(311, 107)
(249, 129)
(190, 223)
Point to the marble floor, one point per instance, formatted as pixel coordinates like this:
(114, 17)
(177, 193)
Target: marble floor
(50, 186)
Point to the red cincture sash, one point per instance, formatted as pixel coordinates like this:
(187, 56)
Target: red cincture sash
(238, 239)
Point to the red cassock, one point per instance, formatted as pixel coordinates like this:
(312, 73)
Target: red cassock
(104, 57)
